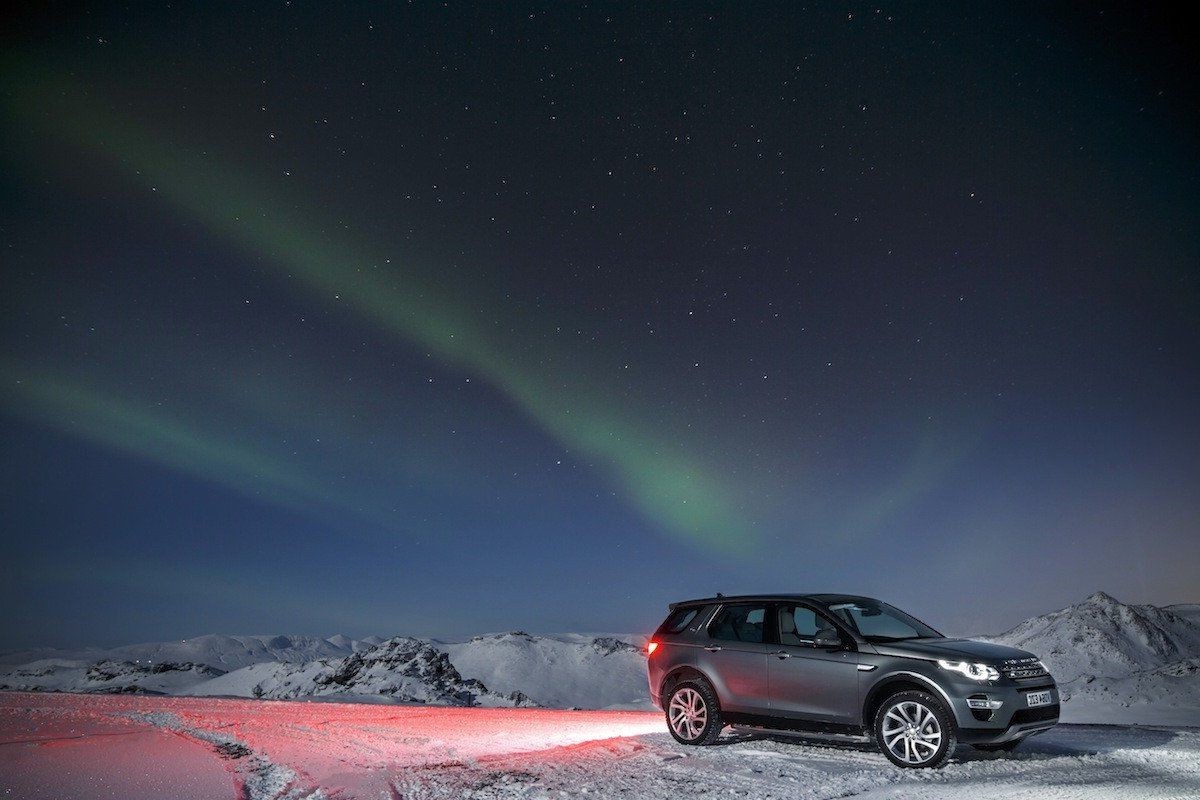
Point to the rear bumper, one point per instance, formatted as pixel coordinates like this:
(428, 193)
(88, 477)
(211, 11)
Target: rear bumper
(654, 679)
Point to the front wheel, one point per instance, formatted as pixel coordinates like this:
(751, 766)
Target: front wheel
(914, 729)
(693, 716)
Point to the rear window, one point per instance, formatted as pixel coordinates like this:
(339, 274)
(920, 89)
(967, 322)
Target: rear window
(679, 620)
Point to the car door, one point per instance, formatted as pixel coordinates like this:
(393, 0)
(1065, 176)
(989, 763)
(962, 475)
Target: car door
(807, 682)
(735, 657)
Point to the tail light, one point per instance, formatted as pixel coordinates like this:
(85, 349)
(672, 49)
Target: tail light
(651, 646)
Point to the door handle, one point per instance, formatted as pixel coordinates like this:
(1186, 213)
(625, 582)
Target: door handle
(712, 648)
(783, 654)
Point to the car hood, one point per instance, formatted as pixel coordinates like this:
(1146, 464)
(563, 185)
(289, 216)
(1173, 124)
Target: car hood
(952, 649)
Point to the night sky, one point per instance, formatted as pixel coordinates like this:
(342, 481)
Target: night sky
(439, 319)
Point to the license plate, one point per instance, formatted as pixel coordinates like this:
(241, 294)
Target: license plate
(1038, 698)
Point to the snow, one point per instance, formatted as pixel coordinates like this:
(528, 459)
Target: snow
(53, 753)
(95, 746)
(1102, 636)
(565, 671)
(216, 650)
(1115, 663)
(57, 675)
(1118, 663)
(1189, 611)
(400, 669)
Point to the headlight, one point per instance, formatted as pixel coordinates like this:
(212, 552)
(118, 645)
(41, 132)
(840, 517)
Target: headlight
(976, 672)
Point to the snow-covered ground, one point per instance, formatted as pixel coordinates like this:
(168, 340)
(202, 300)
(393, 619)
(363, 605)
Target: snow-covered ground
(136, 747)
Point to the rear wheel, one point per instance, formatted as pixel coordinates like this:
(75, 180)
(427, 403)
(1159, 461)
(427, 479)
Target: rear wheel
(693, 715)
(914, 729)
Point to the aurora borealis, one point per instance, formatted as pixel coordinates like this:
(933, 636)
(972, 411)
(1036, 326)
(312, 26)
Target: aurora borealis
(447, 319)
(668, 485)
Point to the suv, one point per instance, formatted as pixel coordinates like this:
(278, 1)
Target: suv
(842, 664)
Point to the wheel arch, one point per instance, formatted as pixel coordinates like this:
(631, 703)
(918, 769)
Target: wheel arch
(680, 674)
(899, 682)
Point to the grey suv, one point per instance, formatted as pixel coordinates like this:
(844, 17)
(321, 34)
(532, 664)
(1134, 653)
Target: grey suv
(842, 664)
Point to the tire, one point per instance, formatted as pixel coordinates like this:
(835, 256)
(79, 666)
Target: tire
(697, 716)
(914, 730)
(1003, 747)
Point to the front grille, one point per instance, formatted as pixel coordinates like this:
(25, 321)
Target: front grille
(1019, 669)
(1034, 714)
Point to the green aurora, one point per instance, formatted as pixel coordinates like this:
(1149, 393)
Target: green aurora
(668, 485)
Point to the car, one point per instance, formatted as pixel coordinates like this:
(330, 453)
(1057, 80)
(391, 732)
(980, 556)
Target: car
(844, 665)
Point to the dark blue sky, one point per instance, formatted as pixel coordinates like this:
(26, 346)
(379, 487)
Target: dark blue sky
(442, 319)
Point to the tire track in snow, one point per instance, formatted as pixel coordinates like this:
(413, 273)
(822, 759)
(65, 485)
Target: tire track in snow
(259, 777)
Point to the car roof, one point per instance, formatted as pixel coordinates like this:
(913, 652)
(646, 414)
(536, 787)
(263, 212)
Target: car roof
(820, 598)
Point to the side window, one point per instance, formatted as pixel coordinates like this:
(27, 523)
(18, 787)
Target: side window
(679, 620)
(797, 625)
(739, 624)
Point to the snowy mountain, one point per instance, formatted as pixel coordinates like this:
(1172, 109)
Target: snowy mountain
(568, 671)
(107, 676)
(1189, 611)
(1118, 662)
(1114, 663)
(223, 652)
(397, 670)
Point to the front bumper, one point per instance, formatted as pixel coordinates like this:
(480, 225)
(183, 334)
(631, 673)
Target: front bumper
(1013, 719)
(1045, 719)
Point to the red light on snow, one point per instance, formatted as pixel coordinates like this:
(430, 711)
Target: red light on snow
(651, 647)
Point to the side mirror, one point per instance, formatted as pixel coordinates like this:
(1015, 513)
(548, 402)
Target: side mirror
(827, 639)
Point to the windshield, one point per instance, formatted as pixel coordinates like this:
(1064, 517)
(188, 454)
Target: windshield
(879, 622)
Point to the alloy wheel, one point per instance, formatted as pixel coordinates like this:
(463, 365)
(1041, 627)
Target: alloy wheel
(911, 732)
(688, 714)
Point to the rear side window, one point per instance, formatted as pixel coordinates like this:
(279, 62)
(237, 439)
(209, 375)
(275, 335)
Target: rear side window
(679, 620)
(739, 624)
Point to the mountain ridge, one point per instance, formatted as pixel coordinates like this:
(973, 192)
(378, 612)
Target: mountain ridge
(1114, 663)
